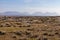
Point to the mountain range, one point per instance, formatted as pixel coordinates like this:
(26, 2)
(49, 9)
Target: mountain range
(13, 13)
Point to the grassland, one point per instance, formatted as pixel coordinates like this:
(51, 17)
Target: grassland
(29, 28)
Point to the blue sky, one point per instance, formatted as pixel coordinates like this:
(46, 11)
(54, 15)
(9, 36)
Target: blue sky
(30, 5)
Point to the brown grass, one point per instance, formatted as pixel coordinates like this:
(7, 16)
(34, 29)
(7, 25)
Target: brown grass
(30, 28)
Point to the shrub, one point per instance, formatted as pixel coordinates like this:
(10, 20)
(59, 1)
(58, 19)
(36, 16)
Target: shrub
(18, 33)
(29, 29)
(39, 39)
(2, 33)
(50, 35)
(34, 36)
(27, 33)
(45, 39)
(45, 34)
(56, 33)
(1, 25)
(22, 39)
(14, 36)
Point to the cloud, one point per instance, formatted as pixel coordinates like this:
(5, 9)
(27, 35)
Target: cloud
(40, 9)
(33, 9)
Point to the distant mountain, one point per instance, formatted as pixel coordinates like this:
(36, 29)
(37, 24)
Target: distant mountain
(44, 14)
(13, 13)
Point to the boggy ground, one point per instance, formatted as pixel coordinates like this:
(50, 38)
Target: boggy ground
(29, 28)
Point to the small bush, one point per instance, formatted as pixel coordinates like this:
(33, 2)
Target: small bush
(27, 33)
(34, 36)
(2, 33)
(1, 25)
(56, 33)
(45, 39)
(39, 39)
(18, 33)
(45, 34)
(50, 35)
(14, 36)
(22, 39)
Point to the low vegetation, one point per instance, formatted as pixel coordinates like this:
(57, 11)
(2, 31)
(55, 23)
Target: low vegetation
(29, 28)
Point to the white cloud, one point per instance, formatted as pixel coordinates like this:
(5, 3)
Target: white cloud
(41, 9)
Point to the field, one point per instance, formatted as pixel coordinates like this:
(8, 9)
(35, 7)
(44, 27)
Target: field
(29, 28)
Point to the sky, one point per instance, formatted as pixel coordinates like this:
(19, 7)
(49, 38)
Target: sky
(30, 6)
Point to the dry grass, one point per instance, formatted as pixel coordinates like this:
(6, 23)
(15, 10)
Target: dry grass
(29, 28)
